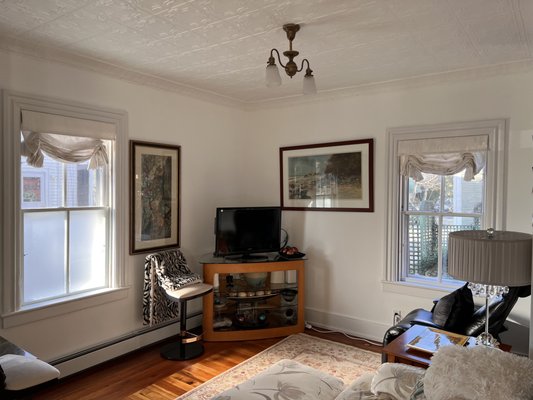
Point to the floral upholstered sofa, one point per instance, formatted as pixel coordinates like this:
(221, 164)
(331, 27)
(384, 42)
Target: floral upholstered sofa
(456, 373)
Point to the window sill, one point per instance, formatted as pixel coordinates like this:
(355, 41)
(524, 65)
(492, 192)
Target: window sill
(38, 312)
(416, 289)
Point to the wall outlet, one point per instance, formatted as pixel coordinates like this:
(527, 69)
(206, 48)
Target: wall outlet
(396, 316)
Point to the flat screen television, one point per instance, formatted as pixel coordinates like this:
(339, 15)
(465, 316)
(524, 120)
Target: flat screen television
(241, 232)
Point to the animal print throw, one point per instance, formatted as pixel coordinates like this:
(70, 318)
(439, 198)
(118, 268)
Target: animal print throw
(164, 271)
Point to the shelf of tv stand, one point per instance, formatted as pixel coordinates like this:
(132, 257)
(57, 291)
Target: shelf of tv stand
(224, 267)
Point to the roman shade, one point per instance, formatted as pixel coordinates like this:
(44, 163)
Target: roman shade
(443, 156)
(64, 138)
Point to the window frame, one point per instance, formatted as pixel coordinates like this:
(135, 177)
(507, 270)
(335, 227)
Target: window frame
(13, 313)
(495, 187)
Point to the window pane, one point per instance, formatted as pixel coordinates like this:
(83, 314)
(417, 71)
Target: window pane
(425, 194)
(44, 255)
(453, 224)
(84, 186)
(42, 187)
(461, 196)
(422, 246)
(87, 249)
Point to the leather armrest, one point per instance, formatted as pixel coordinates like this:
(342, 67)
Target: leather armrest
(392, 333)
(420, 317)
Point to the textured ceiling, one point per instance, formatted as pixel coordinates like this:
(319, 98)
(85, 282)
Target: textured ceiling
(219, 48)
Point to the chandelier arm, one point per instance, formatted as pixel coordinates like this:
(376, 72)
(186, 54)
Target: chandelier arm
(302, 66)
(277, 53)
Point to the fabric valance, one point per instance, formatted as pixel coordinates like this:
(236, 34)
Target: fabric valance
(66, 139)
(443, 156)
(73, 149)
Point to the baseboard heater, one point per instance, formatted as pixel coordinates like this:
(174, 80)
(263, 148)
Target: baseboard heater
(120, 346)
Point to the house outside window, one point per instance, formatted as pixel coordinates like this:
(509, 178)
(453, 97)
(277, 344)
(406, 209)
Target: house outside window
(64, 207)
(442, 178)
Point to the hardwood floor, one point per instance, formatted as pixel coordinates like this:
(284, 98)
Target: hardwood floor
(144, 375)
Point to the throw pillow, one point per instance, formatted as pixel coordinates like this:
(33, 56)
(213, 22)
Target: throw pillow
(454, 310)
(478, 373)
(359, 389)
(418, 391)
(286, 379)
(2, 378)
(396, 380)
(24, 372)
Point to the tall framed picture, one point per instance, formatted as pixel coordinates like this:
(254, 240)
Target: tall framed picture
(336, 176)
(154, 196)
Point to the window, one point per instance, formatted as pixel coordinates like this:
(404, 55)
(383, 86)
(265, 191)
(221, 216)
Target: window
(65, 236)
(64, 207)
(441, 179)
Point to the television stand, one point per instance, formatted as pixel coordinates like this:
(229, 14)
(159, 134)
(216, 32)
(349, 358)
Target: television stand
(244, 309)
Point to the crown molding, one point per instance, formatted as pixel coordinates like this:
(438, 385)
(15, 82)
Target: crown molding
(449, 77)
(53, 54)
(90, 64)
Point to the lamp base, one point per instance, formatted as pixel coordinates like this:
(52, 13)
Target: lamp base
(486, 339)
(487, 291)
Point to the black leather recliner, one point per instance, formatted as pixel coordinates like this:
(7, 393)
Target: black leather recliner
(499, 309)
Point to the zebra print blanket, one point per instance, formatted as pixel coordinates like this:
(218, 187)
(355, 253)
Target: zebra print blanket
(163, 271)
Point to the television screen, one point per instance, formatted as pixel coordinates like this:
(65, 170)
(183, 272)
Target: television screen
(247, 230)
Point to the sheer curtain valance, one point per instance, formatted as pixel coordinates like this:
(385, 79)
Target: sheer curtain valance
(65, 139)
(443, 156)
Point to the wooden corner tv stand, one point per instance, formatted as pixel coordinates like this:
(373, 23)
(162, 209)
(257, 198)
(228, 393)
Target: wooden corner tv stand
(243, 306)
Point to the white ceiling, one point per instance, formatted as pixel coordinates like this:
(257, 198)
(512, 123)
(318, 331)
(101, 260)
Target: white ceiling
(219, 48)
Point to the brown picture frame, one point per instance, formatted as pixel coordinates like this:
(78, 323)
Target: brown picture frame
(154, 196)
(334, 176)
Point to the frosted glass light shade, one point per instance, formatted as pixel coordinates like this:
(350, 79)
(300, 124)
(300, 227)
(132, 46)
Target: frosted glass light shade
(272, 77)
(309, 85)
(504, 259)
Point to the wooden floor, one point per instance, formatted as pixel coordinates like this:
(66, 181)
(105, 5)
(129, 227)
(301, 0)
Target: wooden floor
(144, 375)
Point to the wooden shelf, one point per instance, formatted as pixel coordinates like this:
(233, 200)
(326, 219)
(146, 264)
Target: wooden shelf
(262, 331)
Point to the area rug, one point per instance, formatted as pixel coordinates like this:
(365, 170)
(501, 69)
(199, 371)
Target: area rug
(343, 361)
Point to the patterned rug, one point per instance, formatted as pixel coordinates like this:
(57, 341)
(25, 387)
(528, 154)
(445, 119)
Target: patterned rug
(343, 361)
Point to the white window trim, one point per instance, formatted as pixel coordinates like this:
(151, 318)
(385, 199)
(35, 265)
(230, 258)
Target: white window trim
(497, 131)
(10, 235)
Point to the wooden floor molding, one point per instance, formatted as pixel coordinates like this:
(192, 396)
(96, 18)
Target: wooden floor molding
(144, 375)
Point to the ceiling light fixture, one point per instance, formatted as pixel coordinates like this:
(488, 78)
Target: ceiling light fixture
(291, 68)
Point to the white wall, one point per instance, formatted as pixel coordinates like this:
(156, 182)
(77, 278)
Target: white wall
(209, 138)
(346, 250)
(230, 157)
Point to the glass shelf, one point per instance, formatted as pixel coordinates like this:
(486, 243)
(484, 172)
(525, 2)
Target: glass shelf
(253, 300)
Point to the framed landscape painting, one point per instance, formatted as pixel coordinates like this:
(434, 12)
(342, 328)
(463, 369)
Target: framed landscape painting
(337, 176)
(154, 196)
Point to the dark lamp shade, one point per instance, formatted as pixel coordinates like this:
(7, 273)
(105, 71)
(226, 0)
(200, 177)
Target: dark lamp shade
(503, 260)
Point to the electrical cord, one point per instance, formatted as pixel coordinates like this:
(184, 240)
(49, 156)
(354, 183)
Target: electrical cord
(286, 240)
(309, 326)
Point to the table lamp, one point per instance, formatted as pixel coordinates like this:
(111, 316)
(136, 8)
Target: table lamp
(490, 261)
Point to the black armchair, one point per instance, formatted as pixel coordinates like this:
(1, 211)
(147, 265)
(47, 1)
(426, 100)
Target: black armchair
(471, 324)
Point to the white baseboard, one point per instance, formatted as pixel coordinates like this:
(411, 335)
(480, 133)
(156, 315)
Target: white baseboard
(343, 323)
(118, 347)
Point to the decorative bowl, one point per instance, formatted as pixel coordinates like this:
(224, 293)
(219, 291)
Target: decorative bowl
(256, 279)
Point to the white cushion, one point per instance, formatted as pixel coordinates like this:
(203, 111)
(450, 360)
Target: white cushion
(286, 379)
(478, 373)
(23, 372)
(396, 380)
(359, 389)
(188, 291)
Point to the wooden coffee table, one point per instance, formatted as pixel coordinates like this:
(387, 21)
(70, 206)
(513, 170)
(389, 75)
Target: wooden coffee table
(398, 352)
